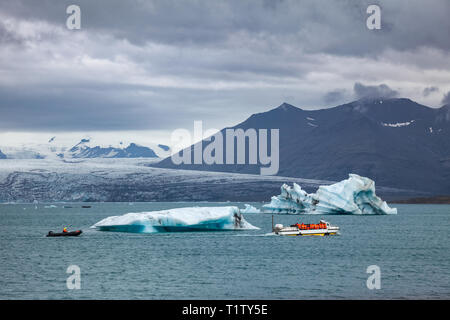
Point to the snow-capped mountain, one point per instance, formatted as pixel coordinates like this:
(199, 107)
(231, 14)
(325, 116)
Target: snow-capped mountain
(396, 142)
(85, 148)
(2, 155)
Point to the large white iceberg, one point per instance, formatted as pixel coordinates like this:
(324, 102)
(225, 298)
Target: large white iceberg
(177, 220)
(356, 195)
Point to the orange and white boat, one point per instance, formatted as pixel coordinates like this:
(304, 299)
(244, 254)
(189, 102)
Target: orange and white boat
(323, 228)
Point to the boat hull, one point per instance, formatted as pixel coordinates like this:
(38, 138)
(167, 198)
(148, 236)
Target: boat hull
(64, 234)
(319, 232)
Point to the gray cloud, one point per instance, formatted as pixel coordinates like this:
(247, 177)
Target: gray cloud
(380, 91)
(314, 25)
(335, 96)
(90, 107)
(162, 64)
(446, 99)
(429, 90)
(7, 37)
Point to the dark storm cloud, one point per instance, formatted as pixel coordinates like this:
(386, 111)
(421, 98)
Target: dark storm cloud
(380, 91)
(161, 64)
(316, 25)
(334, 96)
(446, 99)
(429, 90)
(83, 108)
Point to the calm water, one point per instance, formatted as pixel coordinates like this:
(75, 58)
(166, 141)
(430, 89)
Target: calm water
(411, 248)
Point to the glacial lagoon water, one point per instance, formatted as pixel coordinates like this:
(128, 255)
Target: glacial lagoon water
(411, 248)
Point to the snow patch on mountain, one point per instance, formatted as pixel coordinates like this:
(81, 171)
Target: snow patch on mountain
(398, 124)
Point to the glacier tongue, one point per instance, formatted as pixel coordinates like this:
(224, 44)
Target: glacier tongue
(177, 220)
(355, 195)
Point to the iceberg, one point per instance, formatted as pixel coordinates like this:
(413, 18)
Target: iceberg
(355, 195)
(177, 220)
(250, 209)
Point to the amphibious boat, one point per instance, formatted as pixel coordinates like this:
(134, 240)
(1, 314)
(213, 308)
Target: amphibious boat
(323, 228)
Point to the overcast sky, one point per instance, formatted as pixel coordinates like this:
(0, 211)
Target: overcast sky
(144, 68)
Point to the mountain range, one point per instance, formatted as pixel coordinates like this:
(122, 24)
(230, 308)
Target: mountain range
(85, 148)
(396, 142)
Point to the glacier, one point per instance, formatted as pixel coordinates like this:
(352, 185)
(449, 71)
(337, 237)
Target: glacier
(355, 195)
(177, 220)
(129, 180)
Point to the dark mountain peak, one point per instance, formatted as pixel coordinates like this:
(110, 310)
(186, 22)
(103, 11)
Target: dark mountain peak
(164, 147)
(391, 110)
(2, 155)
(397, 142)
(395, 102)
(380, 101)
(272, 118)
(287, 107)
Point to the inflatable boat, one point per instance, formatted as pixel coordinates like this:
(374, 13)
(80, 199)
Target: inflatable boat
(64, 234)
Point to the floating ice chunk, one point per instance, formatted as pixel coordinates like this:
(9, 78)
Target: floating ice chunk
(177, 220)
(249, 209)
(356, 195)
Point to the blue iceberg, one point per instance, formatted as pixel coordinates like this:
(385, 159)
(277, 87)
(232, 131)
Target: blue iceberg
(250, 209)
(355, 195)
(177, 220)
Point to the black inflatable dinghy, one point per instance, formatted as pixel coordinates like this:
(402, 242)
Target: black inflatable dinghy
(64, 234)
